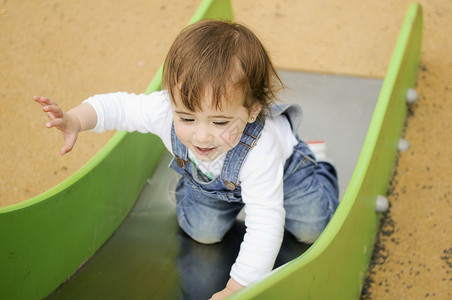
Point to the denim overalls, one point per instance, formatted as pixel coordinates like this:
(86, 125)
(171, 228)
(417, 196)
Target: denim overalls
(206, 209)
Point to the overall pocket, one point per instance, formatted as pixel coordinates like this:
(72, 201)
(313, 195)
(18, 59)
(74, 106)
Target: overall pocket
(302, 157)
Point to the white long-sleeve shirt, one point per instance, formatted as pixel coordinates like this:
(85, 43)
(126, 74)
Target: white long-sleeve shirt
(261, 176)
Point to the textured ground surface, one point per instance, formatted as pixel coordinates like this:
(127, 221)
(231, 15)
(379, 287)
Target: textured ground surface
(71, 50)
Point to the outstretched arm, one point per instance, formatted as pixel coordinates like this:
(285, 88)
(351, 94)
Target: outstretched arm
(82, 117)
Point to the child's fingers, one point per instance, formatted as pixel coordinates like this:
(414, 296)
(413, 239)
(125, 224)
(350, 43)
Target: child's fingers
(55, 115)
(65, 149)
(37, 99)
(53, 111)
(70, 141)
(40, 100)
(43, 100)
(55, 123)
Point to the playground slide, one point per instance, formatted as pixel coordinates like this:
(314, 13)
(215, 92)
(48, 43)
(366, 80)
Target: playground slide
(148, 257)
(47, 238)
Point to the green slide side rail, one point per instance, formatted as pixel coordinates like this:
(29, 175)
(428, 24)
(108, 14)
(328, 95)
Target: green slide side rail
(45, 239)
(336, 264)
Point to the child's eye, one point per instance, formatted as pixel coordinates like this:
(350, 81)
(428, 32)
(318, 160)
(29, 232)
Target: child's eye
(186, 120)
(223, 123)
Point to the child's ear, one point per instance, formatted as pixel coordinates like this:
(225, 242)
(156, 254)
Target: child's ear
(254, 112)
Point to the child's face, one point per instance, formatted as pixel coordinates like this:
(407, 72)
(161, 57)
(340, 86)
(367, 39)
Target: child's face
(212, 132)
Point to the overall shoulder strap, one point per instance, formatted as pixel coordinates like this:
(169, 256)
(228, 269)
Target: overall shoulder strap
(236, 156)
(292, 112)
(180, 151)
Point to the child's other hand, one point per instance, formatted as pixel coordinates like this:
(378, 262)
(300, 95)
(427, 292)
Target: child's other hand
(231, 287)
(64, 122)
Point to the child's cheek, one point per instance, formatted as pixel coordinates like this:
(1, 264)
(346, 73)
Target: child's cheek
(231, 136)
(182, 132)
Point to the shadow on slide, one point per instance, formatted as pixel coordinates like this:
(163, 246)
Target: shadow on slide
(45, 239)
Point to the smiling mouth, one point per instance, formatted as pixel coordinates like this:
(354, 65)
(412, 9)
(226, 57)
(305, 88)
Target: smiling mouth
(204, 151)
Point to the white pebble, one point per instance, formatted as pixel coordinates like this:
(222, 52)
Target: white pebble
(403, 145)
(382, 204)
(411, 96)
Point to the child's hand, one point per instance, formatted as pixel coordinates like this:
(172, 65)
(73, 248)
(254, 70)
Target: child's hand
(231, 287)
(67, 124)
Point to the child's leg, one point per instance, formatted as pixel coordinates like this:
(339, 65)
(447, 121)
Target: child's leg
(310, 194)
(204, 217)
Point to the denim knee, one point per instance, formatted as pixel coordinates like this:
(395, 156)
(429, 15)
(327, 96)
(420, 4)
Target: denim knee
(304, 232)
(206, 238)
(307, 218)
(201, 232)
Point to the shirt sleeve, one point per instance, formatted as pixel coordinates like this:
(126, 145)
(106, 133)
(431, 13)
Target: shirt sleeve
(131, 112)
(262, 193)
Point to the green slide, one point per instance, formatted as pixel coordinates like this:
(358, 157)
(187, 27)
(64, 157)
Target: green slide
(46, 239)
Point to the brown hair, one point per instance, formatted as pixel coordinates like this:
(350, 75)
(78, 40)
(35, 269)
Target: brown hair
(219, 55)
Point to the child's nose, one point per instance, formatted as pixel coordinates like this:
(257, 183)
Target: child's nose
(203, 135)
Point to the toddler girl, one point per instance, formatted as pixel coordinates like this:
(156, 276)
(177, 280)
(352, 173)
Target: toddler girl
(232, 145)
